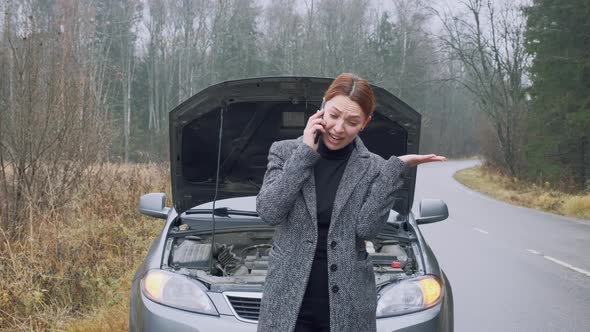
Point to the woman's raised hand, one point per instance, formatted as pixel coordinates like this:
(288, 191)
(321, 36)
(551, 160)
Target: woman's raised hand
(315, 123)
(416, 159)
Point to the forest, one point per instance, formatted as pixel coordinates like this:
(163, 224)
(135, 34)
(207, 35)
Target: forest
(87, 85)
(92, 81)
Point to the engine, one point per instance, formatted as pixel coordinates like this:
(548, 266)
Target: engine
(245, 255)
(224, 259)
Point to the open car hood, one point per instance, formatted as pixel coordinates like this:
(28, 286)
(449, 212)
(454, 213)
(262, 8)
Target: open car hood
(257, 112)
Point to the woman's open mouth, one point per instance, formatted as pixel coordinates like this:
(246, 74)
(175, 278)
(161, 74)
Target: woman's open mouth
(334, 139)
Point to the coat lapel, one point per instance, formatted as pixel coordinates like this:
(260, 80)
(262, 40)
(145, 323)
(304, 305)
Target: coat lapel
(308, 190)
(355, 170)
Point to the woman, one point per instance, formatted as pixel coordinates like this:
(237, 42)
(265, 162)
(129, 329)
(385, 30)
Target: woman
(326, 199)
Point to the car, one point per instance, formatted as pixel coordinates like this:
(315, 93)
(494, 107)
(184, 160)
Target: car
(206, 269)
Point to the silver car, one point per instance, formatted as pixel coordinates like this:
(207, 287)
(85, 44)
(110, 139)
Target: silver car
(205, 270)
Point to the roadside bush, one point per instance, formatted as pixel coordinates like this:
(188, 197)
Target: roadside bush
(53, 132)
(579, 207)
(538, 196)
(80, 259)
(548, 201)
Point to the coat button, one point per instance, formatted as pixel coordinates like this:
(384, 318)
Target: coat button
(335, 289)
(333, 267)
(333, 244)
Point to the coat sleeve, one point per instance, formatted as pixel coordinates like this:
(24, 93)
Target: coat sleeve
(380, 198)
(285, 174)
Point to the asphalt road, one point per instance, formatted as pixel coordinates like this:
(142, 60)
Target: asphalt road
(511, 268)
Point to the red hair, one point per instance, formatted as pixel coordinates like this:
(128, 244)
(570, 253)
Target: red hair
(354, 87)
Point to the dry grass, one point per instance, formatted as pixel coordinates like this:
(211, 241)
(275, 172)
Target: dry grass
(106, 317)
(578, 206)
(73, 270)
(521, 193)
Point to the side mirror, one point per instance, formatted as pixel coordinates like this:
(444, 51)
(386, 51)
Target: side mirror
(432, 210)
(154, 205)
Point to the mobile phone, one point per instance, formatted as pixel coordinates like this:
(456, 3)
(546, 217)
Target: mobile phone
(317, 132)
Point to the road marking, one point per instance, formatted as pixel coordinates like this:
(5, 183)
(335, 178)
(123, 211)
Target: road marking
(571, 267)
(480, 230)
(562, 263)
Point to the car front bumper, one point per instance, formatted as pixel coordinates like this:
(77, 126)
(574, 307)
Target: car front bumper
(432, 319)
(152, 316)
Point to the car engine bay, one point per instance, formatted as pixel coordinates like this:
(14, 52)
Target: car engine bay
(240, 257)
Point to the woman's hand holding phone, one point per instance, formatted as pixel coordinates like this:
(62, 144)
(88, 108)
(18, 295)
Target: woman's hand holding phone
(315, 124)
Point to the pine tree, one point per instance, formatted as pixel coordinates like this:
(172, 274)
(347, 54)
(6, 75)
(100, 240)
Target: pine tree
(558, 146)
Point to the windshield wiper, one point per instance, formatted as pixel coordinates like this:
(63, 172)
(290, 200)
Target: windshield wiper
(222, 212)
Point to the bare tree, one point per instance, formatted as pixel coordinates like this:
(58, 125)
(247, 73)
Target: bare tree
(489, 44)
(128, 22)
(50, 132)
(190, 22)
(410, 18)
(155, 26)
(283, 38)
(342, 29)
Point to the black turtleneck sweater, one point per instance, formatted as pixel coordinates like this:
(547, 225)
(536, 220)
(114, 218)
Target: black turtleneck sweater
(328, 173)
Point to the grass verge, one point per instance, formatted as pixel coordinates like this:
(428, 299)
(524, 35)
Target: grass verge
(521, 193)
(73, 269)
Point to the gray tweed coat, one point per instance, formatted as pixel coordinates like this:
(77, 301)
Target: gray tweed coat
(361, 207)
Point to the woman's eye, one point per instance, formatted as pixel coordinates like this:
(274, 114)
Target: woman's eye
(354, 124)
(333, 116)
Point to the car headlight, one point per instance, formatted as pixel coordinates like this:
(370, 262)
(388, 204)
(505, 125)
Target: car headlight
(408, 296)
(177, 291)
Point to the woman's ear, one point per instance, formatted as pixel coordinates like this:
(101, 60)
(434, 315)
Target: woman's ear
(367, 121)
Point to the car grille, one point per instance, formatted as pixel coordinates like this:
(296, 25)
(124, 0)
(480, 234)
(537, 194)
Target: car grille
(246, 306)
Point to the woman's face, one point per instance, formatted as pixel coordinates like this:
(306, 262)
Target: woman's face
(344, 119)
